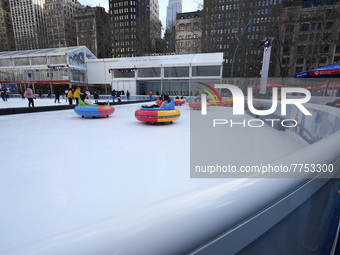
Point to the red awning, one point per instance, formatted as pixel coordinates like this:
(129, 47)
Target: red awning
(312, 88)
(329, 86)
(271, 85)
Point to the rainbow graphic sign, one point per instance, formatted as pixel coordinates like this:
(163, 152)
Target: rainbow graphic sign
(208, 92)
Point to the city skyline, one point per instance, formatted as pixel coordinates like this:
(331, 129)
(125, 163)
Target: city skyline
(188, 6)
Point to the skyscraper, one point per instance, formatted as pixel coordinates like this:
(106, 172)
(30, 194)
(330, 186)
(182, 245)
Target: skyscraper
(174, 6)
(60, 22)
(93, 30)
(188, 32)
(237, 29)
(135, 25)
(309, 35)
(6, 27)
(28, 24)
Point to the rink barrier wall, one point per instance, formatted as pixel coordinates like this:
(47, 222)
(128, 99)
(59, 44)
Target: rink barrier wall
(101, 97)
(20, 110)
(325, 120)
(224, 217)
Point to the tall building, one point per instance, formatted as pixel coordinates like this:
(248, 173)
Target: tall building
(309, 35)
(155, 23)
(93, 30)
(174, 7)
(28, 24)
(60, 22)
(134, 27)
(237, 29)
(6, 27)
(188, 32)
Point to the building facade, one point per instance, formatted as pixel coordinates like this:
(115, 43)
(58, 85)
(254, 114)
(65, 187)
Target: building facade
(60, 22)
(155, 25)
(45, 69)
(309, 35)
(93, 30)
(28, 24)
(6, 27)
(174, 7)
(133, 29)
(188, 33)
(167, 74)
(237, 28)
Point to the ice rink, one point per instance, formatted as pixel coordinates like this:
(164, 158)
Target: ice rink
(60, 171)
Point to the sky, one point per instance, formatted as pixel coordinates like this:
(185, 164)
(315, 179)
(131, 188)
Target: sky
(188, 6)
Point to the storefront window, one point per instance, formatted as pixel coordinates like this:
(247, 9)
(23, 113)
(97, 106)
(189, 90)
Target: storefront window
(5, 75)
(176, 87)
(174, 72)
(58, 60)
(5, 62)
(78, 75)
(149, 72)
(144, 87)
(38, 61)
(21, 62)
(206, 70)
(44, 75)
(63, 74)
(124, 73)
(18, 75)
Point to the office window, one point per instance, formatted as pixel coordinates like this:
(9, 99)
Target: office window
(149, 72)
(206, 70)
(176, 72)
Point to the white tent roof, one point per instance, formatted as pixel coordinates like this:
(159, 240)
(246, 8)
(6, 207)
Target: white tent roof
(170, 60)
(42, 52)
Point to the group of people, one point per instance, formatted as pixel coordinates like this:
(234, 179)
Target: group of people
(177, 97)
(73, 94)
(117, 94)
(165, 102)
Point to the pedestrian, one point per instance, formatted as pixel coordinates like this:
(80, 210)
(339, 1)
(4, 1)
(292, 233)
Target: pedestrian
(4, 94)
(70, 96)
(76, 94)
(113, 93)
(57, 95)
(127, 95)
(150, 94)
(22, 94)
(66, 93)
(95, 96)
(40, 93)
(30, 96)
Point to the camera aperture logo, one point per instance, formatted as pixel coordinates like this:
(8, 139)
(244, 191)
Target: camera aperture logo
(239, 106)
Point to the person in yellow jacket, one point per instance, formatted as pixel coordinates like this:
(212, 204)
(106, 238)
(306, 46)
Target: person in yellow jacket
(70, 95)
(76, 94)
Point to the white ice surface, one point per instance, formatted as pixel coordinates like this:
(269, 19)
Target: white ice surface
(18, 102)
(59, 171)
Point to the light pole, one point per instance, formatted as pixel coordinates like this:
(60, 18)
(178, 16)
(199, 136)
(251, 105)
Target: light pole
(266, 45)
